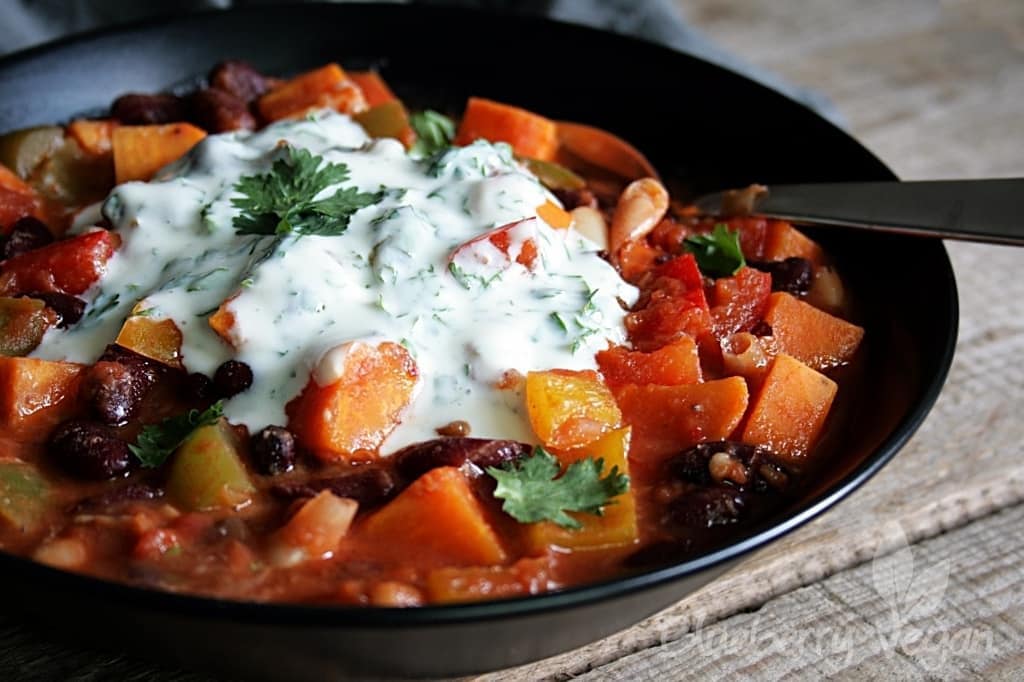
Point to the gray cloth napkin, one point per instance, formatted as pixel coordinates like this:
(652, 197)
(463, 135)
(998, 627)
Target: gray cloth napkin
(24, 23)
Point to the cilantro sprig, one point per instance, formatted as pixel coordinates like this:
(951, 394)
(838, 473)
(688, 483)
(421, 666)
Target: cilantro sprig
(284, 200)
(434, 132)
(157, 442)
(533, 491)
(718, 253)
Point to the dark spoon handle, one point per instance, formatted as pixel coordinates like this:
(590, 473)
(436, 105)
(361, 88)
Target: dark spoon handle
(974, 210)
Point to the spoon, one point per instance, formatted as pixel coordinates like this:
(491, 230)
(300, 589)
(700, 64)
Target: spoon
(973, 210)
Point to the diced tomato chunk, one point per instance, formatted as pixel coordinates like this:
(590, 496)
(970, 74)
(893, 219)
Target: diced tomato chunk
(685, 269)
(69, 266)
(501, 239)
(15, 205)
(671, 365)
(753, 232)
(739, 302)
(672, 305)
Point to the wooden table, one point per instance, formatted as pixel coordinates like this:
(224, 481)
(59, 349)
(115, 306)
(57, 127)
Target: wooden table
(918, 574)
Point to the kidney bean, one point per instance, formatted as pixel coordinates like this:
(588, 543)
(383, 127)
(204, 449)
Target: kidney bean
(240, 79)
(198, 387)
(707, 507)
(150, 368)
(219, 111)
(273, 449)
(26, 234)
(368, 485)
(415, 460)
(231, 378)
(692, 465)
(761, 465)
(112, 499)
(114, 391)
(88, 450)
(792, 275)
(69, 308)
(139, 109)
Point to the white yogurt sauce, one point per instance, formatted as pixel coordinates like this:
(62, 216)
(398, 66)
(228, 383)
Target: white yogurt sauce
(466, 318)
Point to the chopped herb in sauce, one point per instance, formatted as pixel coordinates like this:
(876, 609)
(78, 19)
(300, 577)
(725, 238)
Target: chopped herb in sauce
(157, 442)
(533, 491)
(284, 201)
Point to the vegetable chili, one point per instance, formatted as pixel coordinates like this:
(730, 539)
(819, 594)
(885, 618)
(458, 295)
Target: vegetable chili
(283, 340)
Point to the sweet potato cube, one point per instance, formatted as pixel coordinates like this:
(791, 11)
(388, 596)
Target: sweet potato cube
(530, 134)
(810, 335)
(375, 89)
(438, 520)
(671, 365)
(326, 87)
(554, 215)
(532, 575)
(140, 151)
(36, 395)
(158, 340)
(667, 419)
(782, 241)
(615, 527)
(359, 408)
(570, 409)
(222, 321)
(789, 409)
(95, 137)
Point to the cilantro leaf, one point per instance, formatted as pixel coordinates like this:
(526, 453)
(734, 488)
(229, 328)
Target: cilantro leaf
(156, 442)
(718, 253)
(284, 200)
(532, 490)
(434, 132)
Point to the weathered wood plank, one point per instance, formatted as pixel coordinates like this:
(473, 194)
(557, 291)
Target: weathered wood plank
(962, 620)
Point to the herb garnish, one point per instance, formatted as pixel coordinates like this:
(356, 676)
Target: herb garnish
(717, 253)
(156, 442)
(434, 132)
(532, 493)
(284, 200)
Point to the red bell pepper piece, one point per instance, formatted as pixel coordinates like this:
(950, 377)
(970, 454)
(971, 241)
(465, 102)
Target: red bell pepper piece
(69, 266)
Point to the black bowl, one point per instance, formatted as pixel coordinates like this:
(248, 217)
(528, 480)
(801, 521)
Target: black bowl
(701, 125)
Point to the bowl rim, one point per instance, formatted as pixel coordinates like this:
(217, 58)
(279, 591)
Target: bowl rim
(339, 615)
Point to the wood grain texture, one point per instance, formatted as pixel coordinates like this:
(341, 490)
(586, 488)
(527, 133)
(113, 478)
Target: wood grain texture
(966, 620)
